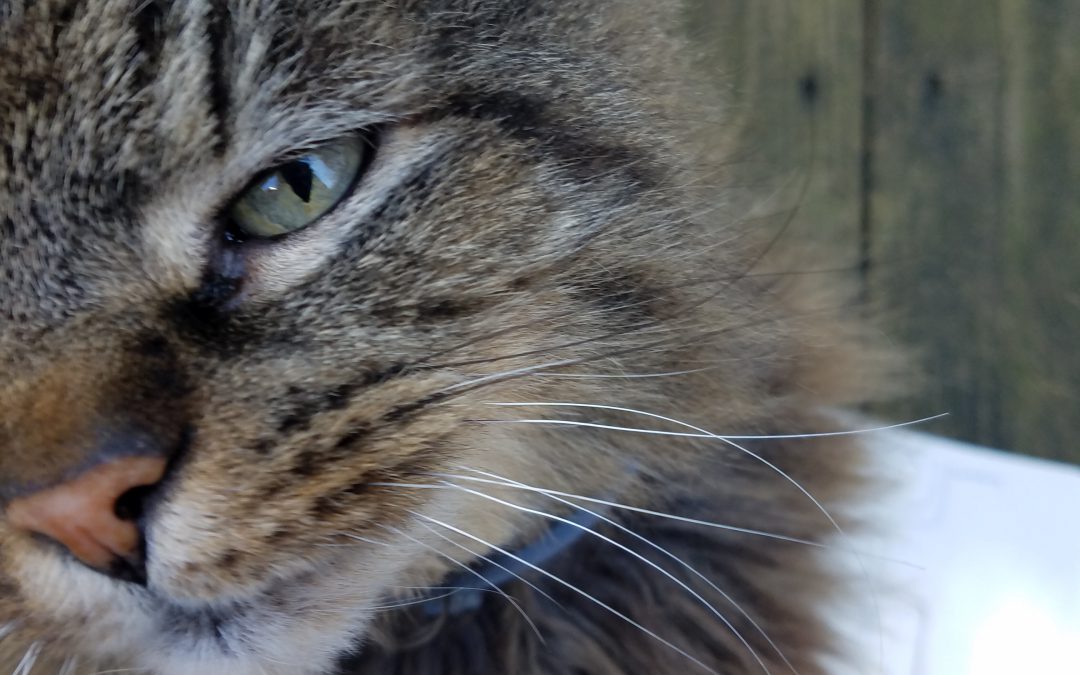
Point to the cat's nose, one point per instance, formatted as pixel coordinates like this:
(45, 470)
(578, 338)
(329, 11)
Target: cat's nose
(91, 516)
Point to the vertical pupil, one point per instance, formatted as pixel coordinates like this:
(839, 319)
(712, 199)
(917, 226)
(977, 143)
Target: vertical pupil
(299, 176)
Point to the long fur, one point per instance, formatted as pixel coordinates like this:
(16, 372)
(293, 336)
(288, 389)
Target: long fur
(539, 225)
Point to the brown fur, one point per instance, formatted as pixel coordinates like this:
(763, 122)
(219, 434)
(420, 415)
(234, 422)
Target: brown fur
(534, 202)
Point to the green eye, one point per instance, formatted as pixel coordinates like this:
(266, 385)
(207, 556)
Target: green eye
(294, 195)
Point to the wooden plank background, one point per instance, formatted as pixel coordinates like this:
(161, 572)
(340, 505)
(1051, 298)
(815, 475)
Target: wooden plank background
(935, 146)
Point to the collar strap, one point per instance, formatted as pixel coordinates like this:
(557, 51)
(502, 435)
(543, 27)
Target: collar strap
(465, 591)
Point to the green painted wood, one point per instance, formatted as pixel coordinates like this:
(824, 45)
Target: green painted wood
(935, 195)
(974, 212)
(793, 70)
(940, 143)
(1041, 229)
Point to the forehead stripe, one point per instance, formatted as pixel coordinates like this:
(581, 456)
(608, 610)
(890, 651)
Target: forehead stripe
(218, 86)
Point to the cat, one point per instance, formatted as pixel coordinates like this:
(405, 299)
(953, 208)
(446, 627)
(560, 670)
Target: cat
(394, 336)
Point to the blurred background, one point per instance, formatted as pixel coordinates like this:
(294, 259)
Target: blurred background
(934, 147)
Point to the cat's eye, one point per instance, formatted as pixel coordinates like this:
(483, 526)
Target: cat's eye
(295, 194)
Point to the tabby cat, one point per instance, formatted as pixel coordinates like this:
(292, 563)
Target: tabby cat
(318, 315)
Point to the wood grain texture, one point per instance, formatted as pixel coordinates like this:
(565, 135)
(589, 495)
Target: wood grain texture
(794, 71)
(1041, 212)
(978, 106)
(936, 202)
(941, 148)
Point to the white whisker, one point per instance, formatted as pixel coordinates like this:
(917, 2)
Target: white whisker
(628, 376)
(366, 540)
(414, 486)
(664, 551)
(635, 554)
(529, 370)
(596, 425)
(492, 563)
(450, 592)
(404, 603)
(26, 664)
(798, 486)
(646, 512)
(573, 588)
(419, 601)
(507, 374)
(836, 434)
(616, 505)
(470, 570)
(698, 433)
(749, 453)
(69, 667)
(7, 629)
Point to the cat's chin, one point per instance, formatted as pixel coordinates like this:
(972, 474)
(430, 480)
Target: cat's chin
(212, 644)
(295, 626)
(264, 635)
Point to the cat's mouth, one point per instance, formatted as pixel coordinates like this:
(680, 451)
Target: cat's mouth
(327, 602)
(237, 630)
(224, 625)
(204, 625)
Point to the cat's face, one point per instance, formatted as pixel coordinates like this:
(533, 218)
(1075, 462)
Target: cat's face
(503, 209)
(504, 214)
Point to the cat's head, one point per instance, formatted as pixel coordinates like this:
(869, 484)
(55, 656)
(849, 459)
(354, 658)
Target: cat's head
(285, 254)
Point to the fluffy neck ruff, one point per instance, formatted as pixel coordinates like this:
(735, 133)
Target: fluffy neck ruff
(636, 619)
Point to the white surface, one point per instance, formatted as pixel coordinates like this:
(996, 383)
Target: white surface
(989, 578)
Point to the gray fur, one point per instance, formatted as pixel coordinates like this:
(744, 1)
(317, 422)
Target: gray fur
(532, 202)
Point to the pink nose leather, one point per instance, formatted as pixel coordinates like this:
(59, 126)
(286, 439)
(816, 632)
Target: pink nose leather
(81, 513)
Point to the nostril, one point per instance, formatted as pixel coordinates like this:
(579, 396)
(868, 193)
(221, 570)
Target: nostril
(131, 505)
(93, 515)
